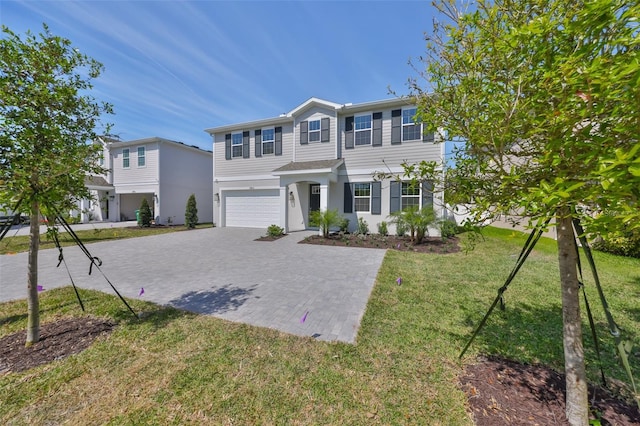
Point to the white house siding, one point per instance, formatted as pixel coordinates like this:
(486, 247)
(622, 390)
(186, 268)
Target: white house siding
(316, 150)
(184, 171)
(264, 165)
(134, 175)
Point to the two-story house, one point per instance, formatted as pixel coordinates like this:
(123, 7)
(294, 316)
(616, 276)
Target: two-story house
(321, 155)
(164, 172)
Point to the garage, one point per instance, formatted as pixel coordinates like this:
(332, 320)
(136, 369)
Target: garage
(252, 209)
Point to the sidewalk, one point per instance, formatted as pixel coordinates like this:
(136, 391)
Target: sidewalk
(24, 229)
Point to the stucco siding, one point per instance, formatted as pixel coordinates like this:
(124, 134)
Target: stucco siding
(184, 171)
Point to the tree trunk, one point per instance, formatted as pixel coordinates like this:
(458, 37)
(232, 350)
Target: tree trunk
(33, 320)
(577, 403)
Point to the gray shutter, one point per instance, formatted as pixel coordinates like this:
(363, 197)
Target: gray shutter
(394, 202)
(396, 126)
(304, 132)
(377, 129)
(258, 150)
(245, 144)
(348, 133)
(227, 146)
(376, 199)
(348, 198)
(428, 136)
(278, 141)
(427, 193)
(324, 130)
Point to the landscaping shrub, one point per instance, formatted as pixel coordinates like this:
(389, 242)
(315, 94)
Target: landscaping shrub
(416, 221)
(145, 213)
(363, 227)
(191, 213)
(344, 225)
(382, 228)
(623, 243)
(275, 231)
(448, 228)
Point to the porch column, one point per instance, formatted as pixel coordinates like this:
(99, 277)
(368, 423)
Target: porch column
(284, 201)
(324, 199)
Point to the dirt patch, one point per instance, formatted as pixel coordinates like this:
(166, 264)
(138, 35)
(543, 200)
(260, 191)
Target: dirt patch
(503, 392)
(392, 242)
(58, 340)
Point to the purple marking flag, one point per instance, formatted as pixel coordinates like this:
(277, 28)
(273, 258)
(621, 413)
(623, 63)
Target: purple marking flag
(304, 317)
(399, 280)
(40, 288)
(141, 291)
(398, 246)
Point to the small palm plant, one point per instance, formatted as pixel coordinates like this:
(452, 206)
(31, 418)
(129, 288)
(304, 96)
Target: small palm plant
(325, 219)
(415, 220)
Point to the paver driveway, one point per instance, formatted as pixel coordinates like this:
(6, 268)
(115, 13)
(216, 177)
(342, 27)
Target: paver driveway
(225, 273)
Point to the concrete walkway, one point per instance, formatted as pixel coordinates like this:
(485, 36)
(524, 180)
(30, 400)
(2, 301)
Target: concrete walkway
(225, 273)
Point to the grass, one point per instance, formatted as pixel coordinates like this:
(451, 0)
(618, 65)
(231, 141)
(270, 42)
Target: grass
(20, 243)
(174, 367)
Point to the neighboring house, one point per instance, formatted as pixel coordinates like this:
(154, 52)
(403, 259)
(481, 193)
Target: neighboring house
(321, 155)
(164, 172)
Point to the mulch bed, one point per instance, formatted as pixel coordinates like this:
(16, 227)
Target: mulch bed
(392, 242)
(58, 340)
(504, 392)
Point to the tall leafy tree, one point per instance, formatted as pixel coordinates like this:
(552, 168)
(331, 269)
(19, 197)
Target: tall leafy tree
(546, 94)
(47, 122)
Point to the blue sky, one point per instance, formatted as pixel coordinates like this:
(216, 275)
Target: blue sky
(173, 69)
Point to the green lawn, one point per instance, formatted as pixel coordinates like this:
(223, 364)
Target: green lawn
(16, 244)
(178, 368)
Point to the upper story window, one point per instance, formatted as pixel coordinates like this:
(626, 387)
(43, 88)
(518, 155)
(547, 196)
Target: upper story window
(268, 141)
(125, 158)
(362, 126)
(410, 195)
(101, 160)
(410, 130)
(362, 197)
(314, 130)
(236, 145)
(142, 160)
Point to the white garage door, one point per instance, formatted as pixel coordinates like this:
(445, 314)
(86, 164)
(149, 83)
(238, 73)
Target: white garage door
(252, 209)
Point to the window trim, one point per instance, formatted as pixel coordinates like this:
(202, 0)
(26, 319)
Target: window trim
(272, 141)
(368, 129)
(403, 196)
(408, 124)
(126, 155)
(361, 197)
(144, 156)
(314, 132)
(234, 144)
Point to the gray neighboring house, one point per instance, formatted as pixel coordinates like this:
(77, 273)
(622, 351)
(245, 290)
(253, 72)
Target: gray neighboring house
(164, 172)
(321, 155)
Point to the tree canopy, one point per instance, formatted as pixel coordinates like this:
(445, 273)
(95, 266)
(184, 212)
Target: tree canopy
(48, 119)
(546, 96)
(48, 123)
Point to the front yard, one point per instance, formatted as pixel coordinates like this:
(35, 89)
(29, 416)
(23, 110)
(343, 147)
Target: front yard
(181, 368)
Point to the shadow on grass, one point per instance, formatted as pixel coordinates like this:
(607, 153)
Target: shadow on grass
(216, 301)
(534, 335)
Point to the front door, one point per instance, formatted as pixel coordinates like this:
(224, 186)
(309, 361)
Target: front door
(314, 197)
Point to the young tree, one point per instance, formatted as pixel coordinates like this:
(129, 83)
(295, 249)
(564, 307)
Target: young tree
(545, 94)
(145, 213)
(191, 213)
(47, 121)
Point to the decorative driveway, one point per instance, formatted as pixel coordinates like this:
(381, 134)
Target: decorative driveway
(225, 273)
